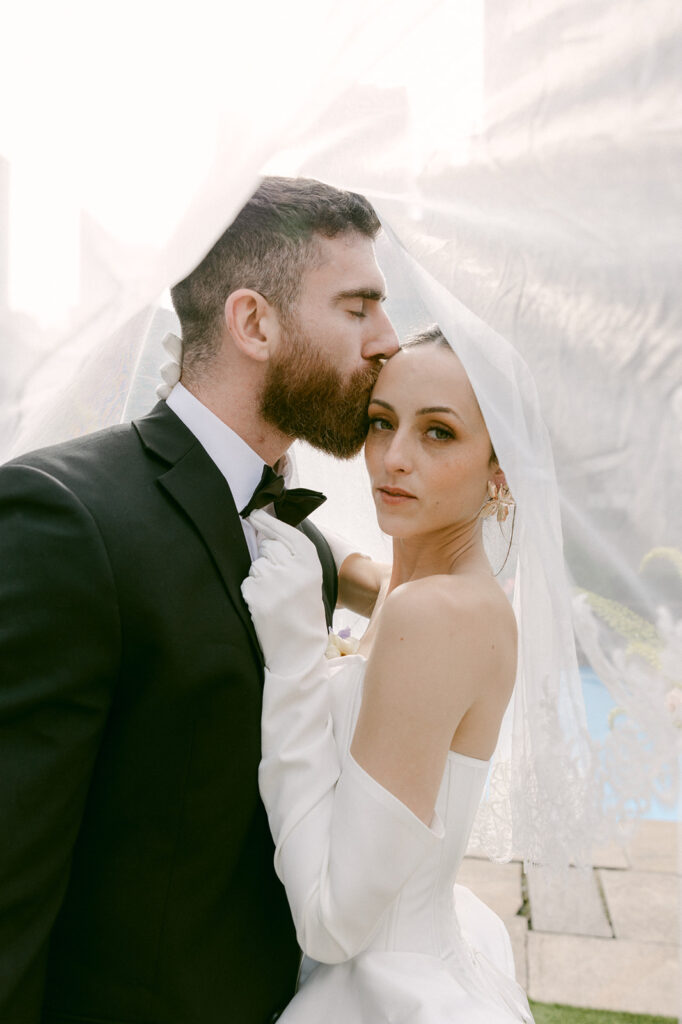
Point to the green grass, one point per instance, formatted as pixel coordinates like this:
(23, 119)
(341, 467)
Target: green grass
(552, 1014)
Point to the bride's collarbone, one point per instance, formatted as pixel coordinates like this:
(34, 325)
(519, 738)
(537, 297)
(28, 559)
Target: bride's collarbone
(367, 638)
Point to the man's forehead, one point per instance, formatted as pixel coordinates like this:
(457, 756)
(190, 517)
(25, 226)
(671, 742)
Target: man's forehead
(349, 261)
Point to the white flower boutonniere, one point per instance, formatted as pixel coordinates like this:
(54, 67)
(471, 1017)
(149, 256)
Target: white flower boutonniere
(341, 643)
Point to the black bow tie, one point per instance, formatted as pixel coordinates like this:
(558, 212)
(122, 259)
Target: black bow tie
(291, 506)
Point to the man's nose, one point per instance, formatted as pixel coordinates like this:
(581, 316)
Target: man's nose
(382, 342)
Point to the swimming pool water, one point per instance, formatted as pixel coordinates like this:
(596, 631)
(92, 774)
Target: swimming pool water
(598, 704)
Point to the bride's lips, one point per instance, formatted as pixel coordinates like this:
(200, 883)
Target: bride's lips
(395, 495)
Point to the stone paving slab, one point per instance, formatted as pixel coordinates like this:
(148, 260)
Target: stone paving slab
(654, 847)
(498, 885)
(604, 974)
(643, 905)
(566, 902)
(611, 856)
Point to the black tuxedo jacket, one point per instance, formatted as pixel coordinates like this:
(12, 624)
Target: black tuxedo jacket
(136, 878)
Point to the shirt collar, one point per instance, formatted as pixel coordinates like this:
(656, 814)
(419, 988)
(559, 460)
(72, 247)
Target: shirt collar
(238, 463)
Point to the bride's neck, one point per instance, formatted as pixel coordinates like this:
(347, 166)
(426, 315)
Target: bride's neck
(417, 557)
(454, 552)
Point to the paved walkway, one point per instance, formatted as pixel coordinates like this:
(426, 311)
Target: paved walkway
(605, 939)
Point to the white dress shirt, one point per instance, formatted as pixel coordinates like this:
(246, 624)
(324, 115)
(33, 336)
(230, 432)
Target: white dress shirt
(239, 464)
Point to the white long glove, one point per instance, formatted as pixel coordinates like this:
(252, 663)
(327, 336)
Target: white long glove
(345, 846)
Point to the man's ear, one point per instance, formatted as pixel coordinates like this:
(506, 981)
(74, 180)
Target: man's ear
(252, 323)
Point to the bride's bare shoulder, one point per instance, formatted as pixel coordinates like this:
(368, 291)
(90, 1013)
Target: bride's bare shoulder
(443, 646)
(452, 615)
(441, 597)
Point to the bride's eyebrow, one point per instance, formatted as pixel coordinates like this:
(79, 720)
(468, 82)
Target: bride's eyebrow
(420, 412)
(439, 408)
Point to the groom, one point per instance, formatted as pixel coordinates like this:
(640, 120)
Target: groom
(136, 878)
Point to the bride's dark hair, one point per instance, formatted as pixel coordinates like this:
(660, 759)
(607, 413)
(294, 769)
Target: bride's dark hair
(427, 336)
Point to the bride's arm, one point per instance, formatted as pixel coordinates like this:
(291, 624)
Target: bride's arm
(345, 845)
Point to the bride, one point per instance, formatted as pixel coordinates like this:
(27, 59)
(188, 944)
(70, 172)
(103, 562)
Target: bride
(374, 764)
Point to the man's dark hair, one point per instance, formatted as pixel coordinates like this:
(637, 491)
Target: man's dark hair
(267, 248)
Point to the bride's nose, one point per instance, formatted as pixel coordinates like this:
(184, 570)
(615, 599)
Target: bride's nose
(398, 456)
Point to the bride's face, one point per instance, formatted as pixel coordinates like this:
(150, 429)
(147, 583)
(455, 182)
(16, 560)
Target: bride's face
(428, 451)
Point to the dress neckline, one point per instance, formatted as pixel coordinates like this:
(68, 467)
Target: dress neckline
(467, 759)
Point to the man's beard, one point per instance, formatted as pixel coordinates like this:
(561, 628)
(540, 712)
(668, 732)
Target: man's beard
(306, 397)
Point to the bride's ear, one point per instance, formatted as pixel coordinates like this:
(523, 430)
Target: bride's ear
(497, 474)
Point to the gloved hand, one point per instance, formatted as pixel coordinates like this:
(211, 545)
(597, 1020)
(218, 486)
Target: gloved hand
(284, 593)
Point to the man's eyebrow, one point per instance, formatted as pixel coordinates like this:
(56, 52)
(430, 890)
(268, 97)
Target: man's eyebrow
(361, 293)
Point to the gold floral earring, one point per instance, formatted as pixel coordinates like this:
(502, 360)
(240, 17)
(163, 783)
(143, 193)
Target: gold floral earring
(499, 503)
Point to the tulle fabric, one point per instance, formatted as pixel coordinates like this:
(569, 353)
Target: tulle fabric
(524, 158)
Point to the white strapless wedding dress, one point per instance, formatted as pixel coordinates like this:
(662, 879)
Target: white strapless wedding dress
(438, 955)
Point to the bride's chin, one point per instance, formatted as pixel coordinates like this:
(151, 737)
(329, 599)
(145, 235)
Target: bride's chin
(392, 527)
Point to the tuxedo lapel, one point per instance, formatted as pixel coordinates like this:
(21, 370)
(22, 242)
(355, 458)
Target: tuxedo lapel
(196, 485)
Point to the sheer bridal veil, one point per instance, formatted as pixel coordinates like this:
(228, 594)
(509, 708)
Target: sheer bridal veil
(524, 159)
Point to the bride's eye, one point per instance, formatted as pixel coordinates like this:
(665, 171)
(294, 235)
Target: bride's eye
(440, 434)
(378, 423)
